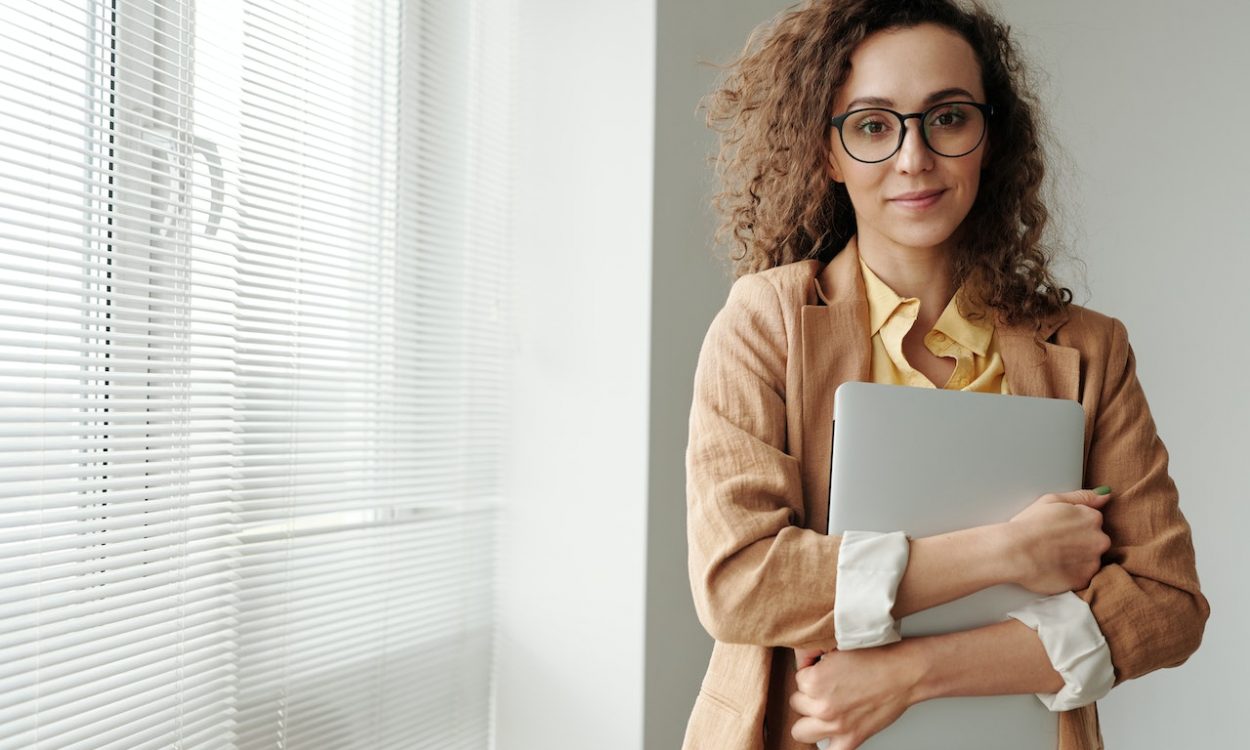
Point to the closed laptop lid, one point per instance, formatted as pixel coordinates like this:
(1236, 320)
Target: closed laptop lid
(929, 461)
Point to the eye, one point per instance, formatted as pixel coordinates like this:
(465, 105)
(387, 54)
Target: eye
(949, 117)
(872, 124)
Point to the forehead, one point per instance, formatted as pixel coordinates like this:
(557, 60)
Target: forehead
(906, 65)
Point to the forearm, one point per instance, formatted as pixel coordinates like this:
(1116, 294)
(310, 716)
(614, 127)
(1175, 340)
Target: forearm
(851, 695)
(947, 567)
(1054, 545)
(1001, 659)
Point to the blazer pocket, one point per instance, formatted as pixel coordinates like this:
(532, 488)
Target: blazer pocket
(718, 700)
(717, 724)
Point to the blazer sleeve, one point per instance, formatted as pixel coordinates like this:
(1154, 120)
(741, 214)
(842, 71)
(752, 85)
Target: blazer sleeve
(1146, 598)
(757, 577)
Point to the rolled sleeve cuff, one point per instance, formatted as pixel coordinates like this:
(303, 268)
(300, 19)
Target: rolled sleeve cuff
(1076, 648)
(870, 566)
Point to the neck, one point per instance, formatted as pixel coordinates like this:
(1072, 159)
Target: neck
(921, 272)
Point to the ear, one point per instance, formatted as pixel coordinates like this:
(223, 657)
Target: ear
(831, 167)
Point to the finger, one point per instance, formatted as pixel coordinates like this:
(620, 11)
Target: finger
(805, 704)
(806, 678)
(806, 657)
(1089, 498)
(809, 730)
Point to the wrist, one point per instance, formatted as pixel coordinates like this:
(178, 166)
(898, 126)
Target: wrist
(1008, 551)
(919, 669)
(939, 666)
(996, 557)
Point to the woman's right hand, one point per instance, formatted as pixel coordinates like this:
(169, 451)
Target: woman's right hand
(1058, 541)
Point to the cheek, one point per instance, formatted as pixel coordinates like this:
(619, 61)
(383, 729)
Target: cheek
(983, 160)
(975, 176)
(968, 172)
(861, 180)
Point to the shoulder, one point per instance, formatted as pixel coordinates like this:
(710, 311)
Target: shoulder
(761, 314)
(1098, 336)
(1106, 357)
(793, 281)
(779, 291)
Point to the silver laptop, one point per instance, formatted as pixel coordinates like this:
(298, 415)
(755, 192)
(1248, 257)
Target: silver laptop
(928, 461)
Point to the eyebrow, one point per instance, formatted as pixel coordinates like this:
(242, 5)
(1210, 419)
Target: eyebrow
(936, 96)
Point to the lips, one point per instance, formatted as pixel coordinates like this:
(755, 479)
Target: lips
(918, 198)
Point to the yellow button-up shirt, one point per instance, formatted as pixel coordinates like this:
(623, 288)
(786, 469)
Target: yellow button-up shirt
(971, 342)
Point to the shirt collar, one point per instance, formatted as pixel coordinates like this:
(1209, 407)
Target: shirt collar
(883, 302)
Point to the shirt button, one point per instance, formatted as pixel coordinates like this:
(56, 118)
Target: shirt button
(937, 336)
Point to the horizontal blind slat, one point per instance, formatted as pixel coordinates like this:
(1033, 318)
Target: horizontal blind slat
(254, 315)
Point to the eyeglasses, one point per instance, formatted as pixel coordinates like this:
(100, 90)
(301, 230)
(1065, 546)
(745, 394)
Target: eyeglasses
(947, 129)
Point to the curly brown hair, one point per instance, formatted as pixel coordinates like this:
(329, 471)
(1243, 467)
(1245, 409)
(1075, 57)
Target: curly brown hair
(777, 203)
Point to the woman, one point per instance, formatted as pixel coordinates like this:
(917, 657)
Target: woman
(882, 173)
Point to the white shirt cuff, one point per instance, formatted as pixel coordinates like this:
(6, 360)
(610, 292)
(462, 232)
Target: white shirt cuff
(1076, 648)
(870, 566)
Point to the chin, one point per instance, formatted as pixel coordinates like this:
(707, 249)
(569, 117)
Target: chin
(924, 239)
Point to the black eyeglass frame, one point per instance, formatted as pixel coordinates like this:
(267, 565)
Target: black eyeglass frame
(987, 111)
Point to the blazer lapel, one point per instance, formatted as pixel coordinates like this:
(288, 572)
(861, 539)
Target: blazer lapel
(1046, 370)
(834, 349)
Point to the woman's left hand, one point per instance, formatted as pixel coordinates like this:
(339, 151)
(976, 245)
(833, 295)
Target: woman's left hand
(848, 696)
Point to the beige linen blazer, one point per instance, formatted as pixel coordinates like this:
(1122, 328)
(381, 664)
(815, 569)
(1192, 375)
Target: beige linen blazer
(762, 570)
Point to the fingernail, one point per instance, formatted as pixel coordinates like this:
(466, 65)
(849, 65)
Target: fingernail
(1102, 490)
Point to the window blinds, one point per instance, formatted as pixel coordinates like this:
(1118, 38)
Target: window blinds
(253, 345)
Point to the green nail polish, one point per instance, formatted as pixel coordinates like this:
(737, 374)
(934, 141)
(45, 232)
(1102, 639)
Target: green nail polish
(1102, 490)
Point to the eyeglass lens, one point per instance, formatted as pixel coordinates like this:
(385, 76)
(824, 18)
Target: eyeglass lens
(950, 130)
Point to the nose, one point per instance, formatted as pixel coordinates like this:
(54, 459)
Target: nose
(913, 156)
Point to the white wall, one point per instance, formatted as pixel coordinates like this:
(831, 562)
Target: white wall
(1148, 100)
(571, 617)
